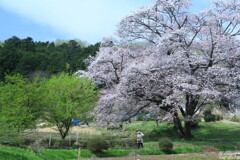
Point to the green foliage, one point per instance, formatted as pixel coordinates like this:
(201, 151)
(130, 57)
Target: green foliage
(97, 144)
(62, 143)
(140, 118)
(81, 143)
(66, 98)
(154, 133)
(9, 135)
(126, 143)
(165, 145)
(208, 116)
(218, 117)
(20, 104)
(38, 145)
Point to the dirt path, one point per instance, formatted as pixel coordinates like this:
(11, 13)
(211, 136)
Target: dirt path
(192, 156)
(204, 156)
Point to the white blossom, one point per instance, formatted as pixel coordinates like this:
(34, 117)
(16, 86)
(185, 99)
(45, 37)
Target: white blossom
(190, 58)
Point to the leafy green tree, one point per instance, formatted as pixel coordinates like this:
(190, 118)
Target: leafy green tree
(20, 102)
(66, 98)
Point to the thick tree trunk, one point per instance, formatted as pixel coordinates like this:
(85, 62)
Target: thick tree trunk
(64, 134)
(187, 131)
(178, 125)
(176, 121)
(191, 105)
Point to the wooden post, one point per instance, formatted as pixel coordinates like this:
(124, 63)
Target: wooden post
(79, 153)
(69, 141)
(77, 139)
(50, 139)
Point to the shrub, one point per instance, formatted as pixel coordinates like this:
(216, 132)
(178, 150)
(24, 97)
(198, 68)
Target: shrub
(129, 143)
(38, 146)
(120, 142)
(165, 145)
(218, 117)
(97, 144)
(140, 118)
(154, 134)
(55, 143)
(235, 119)
(81, 143)
(62, 143)
(28, 141)
(59, 143)
(208, 116)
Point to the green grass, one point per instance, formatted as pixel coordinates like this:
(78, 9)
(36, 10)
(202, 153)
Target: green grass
(216, 135)
(183, 150)
(60, 154)
(13, 153)
(147, 151)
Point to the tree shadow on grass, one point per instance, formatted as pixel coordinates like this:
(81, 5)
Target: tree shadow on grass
(222, 137)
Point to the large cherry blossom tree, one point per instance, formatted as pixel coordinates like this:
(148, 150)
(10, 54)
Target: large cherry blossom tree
(184, 61)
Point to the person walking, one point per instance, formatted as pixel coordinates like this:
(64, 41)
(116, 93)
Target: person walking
(140, 139)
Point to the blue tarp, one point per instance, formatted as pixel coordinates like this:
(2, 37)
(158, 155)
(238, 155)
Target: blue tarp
(76, 121)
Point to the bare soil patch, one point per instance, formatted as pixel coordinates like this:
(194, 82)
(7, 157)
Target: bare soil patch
(206, 149)
(204, 156)
(75, 129)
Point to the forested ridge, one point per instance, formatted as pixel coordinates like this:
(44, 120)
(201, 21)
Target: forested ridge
(29, 57)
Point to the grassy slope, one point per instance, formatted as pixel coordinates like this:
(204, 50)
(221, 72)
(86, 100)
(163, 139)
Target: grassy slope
(216, 135)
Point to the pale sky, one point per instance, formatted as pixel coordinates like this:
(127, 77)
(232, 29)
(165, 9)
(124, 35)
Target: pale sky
(87, 20)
